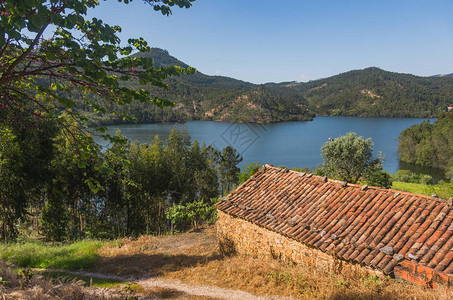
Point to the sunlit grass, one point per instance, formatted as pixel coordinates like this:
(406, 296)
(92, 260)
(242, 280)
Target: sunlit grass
(444, 191)
(35, 254)
(416, 188)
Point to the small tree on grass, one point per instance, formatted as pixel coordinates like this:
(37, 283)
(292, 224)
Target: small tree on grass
(193, 212)
(349, 158)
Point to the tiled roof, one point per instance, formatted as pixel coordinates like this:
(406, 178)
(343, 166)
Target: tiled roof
(380, 228)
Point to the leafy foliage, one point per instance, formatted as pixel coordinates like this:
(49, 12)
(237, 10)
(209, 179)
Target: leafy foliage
(381, 179)
(125, 190)
(429, 144)
(350, 157)
(192, 212)
(248, 172)
(49, 78)
(25, 155)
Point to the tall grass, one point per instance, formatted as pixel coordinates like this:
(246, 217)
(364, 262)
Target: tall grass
(34, 254)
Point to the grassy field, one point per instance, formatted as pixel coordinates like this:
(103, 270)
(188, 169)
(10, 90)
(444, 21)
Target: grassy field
(36, 254)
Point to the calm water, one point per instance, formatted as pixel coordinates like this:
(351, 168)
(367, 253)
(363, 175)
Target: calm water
(291, 144)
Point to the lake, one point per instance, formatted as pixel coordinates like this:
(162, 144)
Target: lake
(291, 144)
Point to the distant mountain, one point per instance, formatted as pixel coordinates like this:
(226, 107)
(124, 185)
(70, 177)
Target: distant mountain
(218, 98)
(370, 92)
(373, 92)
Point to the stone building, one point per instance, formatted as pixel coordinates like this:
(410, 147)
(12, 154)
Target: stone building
(292, 215)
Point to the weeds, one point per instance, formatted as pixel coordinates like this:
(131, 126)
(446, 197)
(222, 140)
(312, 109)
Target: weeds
(370, 280)
(286, 278)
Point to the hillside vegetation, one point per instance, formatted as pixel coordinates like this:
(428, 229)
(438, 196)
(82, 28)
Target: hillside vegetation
(371, 92)
(429, 144)
(218, 98)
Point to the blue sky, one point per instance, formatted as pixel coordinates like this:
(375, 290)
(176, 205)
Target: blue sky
(295, 40)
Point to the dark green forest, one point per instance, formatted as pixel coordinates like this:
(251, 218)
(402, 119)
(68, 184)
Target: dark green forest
(52, 188)
(429, 144)
(373, 92)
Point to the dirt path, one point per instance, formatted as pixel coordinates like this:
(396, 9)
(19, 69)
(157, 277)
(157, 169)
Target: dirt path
(176, 285)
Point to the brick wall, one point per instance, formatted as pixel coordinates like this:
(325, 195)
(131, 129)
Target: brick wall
(422, 275)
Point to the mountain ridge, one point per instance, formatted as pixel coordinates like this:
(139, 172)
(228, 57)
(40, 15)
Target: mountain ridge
(369, 92)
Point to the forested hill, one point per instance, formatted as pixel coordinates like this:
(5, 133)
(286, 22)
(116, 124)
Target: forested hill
(219, 98)
(370, 92)
(373, 92)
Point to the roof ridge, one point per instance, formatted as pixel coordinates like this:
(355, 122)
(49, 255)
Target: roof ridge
(447, 201)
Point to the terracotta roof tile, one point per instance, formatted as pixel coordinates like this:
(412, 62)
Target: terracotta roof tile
(378, 227)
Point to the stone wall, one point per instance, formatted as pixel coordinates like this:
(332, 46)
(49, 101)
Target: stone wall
(243, 237)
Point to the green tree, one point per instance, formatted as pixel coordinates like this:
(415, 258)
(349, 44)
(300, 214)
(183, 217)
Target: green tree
(229, 172)
(204, 175)
(176, 153)
(248, 172)
(54, 218)
(349, 158)
(25, 156)
(429, 144)
(52, 59)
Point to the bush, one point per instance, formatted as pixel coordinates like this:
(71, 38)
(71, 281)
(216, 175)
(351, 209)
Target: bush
(248, 172)
(320, 172)
(426, 179)
(194, 212)
(381, 179)
(406, 176)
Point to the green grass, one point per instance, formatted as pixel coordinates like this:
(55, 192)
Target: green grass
(34, 254)
(89, 281)
(416, 188)
(444, 191)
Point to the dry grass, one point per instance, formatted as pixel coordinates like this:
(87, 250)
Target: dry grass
(155, 256)
(17, 284)
(194, 258)
(305, 282)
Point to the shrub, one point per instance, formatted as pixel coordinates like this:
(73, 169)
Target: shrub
(406, 176)
(381, 179)
(426, 179)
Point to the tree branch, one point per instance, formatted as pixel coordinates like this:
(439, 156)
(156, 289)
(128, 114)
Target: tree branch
(25, 53)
